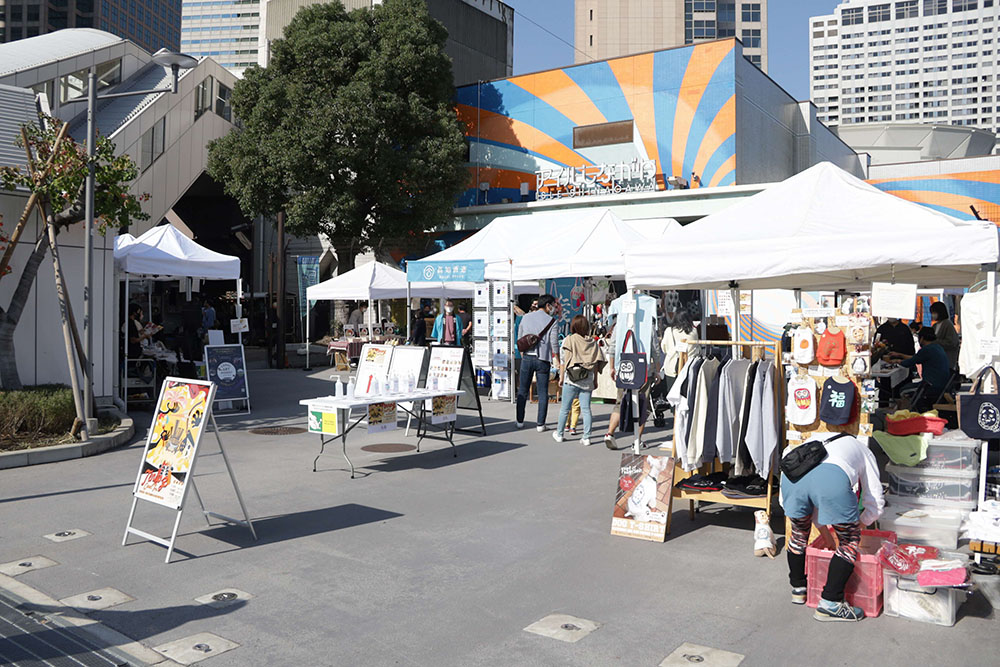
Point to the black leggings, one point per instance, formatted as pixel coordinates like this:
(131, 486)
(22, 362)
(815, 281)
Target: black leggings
(841, 565)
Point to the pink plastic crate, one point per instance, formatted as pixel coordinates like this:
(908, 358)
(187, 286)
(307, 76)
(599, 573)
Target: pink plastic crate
(864, 588)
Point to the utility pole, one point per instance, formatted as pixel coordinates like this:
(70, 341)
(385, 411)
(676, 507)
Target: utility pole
(280, 288)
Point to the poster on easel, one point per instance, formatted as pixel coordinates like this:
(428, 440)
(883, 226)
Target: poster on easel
(407, 361)
(642, 496)
(226, 366)
(444, 370)
(373, 369)
(172, 443)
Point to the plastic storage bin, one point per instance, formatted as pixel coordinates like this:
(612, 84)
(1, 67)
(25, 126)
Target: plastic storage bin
(911, 502)
(929, 525)
(864, 588)
(906, 599)
(933, 483)
(952, 454)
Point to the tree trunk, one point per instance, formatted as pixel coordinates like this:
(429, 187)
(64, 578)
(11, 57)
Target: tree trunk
(9, 377)
(345, 262)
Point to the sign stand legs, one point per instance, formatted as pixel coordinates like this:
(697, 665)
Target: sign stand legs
(169, 543)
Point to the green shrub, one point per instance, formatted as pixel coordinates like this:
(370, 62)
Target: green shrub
(44, 409)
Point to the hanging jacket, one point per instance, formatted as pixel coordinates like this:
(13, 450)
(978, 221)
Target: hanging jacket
(762, 430)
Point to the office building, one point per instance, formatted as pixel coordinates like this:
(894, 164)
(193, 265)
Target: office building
(151, 24)
(906, 61)
(611, 28)
(238, 33)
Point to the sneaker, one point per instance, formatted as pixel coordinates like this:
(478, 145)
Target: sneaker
(541, 429)
(609, 442)
(572, 431)
(585, 442)
(799, 595)
(556, 436)
(837, 611)
(519, 424)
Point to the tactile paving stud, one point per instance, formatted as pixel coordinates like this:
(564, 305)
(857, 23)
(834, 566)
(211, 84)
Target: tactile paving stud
(29, 564)
(224, 598)
(67, 535)
(563, 627)
(189, 650)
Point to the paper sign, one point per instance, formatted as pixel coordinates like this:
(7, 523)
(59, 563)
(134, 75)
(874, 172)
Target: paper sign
(746, 303)
(898, 301)
(843, 321)
(481, 353)
(481, 324)
(725, 307)
(629, 305)
(501, 385)
(240, 325)
(795, 317)
(321, 421)
(817, 312)
(830, 371)
(481, 298)
(443, 409)
(381, 417)
(989, 347)
(793, 435)
(500, 360)
(501, 295)
(642, 496)
(501, 346)
(500, 323)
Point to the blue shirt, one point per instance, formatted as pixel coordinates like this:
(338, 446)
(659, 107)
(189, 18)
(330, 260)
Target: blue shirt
(646, 314)
(934, 365)
(208, 318)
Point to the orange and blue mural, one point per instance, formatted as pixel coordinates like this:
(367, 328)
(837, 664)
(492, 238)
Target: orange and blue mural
(950, 193)
(682, 102)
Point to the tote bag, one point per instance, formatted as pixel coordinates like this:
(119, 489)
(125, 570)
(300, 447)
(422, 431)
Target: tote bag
(979, 413)
(632, 365)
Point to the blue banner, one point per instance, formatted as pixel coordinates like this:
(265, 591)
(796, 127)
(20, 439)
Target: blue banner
(308, 272)
(472, 270)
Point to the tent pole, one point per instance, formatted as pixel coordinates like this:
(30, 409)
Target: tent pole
(409, 316)
(124, 384)
(305, 334)
(369, 319)
(239, 307)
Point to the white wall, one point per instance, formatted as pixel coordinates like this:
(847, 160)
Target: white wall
(38, 339)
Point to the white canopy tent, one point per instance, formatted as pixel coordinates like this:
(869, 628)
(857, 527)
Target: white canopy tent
(820, 229)
(555, 244)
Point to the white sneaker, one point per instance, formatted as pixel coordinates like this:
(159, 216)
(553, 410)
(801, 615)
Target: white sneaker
(585, 442)
(637, 446)
(556, 436)
(519, 424)
(541, 429)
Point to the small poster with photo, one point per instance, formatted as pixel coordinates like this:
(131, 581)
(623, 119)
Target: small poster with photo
(500, 324)
(481, 296)
(443, 409)
(501, 295)
(481, 324)
(382, 417)
(642, 496)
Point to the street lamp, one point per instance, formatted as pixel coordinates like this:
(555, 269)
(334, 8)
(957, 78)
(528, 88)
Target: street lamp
(165, 58)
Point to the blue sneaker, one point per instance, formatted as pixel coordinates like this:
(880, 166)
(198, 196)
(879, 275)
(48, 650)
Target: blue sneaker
(837, 611)
(799, 595)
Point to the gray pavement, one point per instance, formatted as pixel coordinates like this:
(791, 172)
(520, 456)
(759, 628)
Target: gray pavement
(426, 559)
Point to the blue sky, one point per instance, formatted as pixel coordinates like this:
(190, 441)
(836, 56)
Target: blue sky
(535, 49)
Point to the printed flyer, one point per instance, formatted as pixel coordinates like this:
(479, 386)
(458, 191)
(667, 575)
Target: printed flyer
(642, 496)
(443, 409)
(381, 417)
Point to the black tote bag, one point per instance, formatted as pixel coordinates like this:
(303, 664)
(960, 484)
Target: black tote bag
(979, 413)
(632, 366)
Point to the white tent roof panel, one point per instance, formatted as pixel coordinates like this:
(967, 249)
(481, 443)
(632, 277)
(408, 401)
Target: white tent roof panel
(164, 251)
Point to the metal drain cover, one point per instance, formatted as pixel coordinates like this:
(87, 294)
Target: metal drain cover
(65, 533)
(388, 448)
(278, 430)
(93, 598)
(224, 597)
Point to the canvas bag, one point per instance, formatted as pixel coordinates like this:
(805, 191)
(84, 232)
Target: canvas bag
(632, 366)
(979, 413)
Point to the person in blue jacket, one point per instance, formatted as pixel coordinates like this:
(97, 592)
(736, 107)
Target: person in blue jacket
(448, 326)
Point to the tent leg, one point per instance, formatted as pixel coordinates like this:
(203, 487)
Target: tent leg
(305, 336)
(409, 319)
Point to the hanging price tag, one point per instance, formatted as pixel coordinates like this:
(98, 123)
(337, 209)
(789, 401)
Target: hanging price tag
(989, 347)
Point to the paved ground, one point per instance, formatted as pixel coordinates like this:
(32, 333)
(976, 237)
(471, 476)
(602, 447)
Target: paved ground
(427, 559)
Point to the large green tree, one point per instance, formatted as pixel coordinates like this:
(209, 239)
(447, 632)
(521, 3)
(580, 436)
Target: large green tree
(351, 129)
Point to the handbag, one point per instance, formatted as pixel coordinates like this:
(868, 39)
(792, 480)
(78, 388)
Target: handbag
(797, 461)
(632, 366)
(528, 342)
(626, 413)
(577, 372)
(979, 413)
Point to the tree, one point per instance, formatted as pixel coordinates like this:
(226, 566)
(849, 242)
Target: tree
(54, 179)
(351, 130)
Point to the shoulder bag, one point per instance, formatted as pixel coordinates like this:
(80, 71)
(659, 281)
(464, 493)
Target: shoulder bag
(632, 366)
(797, 461)
(979, 413)
(529, 342)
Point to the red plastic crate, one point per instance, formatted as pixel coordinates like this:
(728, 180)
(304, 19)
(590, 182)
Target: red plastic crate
(864, 588)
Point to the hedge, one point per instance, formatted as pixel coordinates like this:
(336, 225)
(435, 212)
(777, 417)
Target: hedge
(33, 411)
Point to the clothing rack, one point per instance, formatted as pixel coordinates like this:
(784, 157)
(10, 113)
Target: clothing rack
(757, 350)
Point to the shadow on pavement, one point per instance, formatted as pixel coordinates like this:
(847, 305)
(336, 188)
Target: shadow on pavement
(432, 459)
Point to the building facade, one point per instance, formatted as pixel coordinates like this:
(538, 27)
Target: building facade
(906, 61)
(238, 33)
(151, 24)
(612, 28)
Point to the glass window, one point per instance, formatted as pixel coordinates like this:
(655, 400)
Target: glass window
(750, 13)
(203, 97)
(877, 13)
(223, 106)
(46, 87)
(152, 144)
(964, 5)
(854, 16)
(704, 5)
(704, 29)
(109, 74)
(751, 39)
(935, 7)
(907, 9)
(33, 11)
(16, 13)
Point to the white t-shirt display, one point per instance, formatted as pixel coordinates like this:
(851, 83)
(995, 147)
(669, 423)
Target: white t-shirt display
(803, 346)
(801, 408)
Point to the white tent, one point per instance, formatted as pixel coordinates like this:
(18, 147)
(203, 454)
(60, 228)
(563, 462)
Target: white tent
(820, 229)
(164, 251)
(553, 244)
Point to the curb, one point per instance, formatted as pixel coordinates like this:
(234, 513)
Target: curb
(75, 450)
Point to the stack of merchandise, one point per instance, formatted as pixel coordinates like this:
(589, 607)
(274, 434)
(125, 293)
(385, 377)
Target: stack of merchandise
(933, 486)
(923, 584)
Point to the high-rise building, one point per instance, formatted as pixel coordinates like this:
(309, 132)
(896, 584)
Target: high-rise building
(612, 28)
(906, 61)
(238, 33)
(152, 24)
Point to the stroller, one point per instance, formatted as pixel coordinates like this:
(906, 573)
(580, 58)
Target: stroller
(658, 397)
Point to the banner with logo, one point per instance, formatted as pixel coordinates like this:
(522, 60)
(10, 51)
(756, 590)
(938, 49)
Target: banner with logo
(472, 270)
(307, 269)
